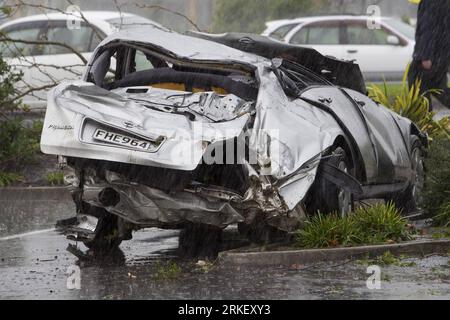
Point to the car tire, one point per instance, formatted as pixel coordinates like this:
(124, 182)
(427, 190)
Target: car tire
(106, 237)
(411, 200)
(326, 197)
(199, 241)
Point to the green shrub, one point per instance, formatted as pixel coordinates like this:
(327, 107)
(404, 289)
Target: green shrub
(8, 78)
(18, 147)
(55, 178)
(442, 217)
(167, 271)
(410, 103)
(437, 186)
(381, 223)
(18, 144)
(7, 178)
(250, 15)
(326, 231)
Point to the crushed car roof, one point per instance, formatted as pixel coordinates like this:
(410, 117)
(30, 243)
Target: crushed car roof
(243, 48)
(339, 72)
(184, 46)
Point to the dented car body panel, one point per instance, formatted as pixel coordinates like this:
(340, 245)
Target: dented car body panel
(87, 107)
(160, 137)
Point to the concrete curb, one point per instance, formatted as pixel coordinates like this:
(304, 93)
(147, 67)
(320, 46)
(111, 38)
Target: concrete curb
(35, 194)
(300, 257)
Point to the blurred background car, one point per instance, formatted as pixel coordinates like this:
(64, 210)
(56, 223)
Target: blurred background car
(382, 51)
(43, 66)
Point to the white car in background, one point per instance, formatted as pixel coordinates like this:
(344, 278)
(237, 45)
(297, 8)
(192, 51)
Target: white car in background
(382, 52)
(46, 65)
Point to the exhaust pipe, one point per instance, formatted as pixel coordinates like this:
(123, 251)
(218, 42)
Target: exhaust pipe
(109, 197)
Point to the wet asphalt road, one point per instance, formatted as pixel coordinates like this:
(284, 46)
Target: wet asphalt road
(34, 266)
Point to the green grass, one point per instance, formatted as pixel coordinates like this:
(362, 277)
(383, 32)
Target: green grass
(395, 88)
(167, 271)
(441, 233)
(386, 259)
(8, 178)
(55, 178)
(379, 224)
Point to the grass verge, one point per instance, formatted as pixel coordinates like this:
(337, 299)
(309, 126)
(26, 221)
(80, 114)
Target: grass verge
(387, 259)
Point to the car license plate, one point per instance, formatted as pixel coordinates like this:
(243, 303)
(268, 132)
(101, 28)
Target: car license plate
(121, 140)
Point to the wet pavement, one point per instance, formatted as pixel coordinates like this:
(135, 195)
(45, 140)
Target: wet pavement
(34, 265)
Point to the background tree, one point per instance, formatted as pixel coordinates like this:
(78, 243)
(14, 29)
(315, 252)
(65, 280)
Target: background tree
(18, 143)
(251, 15)
(8, 79)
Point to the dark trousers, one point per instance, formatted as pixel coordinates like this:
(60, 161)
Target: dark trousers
(435, 78)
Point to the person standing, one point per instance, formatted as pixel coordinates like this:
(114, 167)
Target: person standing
(431, 57)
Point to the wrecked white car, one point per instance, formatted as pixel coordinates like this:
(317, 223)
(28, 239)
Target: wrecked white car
(198, 132)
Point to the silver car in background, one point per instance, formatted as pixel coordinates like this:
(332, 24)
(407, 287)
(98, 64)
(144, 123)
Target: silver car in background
(44, 65)
(383, 47)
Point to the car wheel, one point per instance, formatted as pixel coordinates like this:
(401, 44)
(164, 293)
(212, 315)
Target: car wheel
(326, 197)
(106, 236)
(199, 241)
(411, 200)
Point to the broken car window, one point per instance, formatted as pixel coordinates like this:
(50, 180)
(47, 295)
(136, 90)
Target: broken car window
(294, 77)
(141, 62)
(141, 67)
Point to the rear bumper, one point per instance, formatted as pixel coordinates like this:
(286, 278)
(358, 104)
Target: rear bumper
(149, 207)
(145, 206)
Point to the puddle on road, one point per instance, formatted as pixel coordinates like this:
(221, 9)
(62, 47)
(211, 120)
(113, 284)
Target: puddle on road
(35, 267)
(23, 217)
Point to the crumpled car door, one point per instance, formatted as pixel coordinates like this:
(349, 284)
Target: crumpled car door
(393, 159)
(354, 121)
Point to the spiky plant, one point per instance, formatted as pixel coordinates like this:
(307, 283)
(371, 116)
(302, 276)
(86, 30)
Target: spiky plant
(412, 104)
